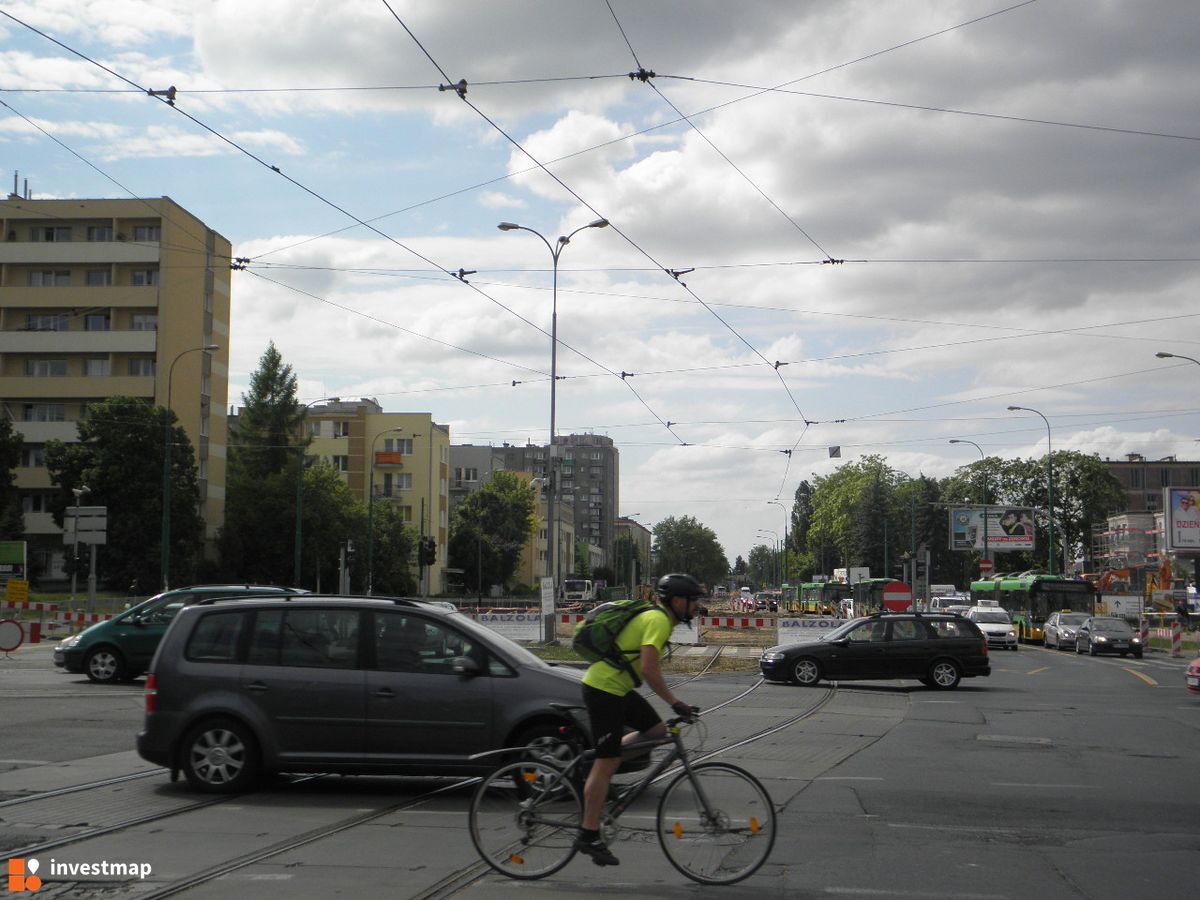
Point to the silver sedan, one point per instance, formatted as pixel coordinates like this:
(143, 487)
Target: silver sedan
(1060, 628)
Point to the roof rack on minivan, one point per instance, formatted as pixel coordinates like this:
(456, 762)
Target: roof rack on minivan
(324, 598)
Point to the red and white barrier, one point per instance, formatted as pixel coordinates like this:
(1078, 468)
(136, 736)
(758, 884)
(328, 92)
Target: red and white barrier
(1176, 639)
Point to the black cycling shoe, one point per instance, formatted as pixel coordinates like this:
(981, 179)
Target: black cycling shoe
(598, 851)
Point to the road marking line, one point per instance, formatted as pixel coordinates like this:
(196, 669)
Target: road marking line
(867, 892)
(848, 778)
(1036, 671)
(1015, 784)
(1146, 678)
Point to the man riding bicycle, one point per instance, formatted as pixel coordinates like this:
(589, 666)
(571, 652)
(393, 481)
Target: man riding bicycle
(613, 703)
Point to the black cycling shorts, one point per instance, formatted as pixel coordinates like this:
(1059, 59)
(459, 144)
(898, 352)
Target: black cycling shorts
(610, 715)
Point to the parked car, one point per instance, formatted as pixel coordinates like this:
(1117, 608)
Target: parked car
(121, 648)
(1192, 678)
(996, 626)
(1059, 630)
(937, 649)
(1107, 634)
(356, 685)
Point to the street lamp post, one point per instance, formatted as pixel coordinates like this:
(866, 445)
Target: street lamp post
(774, 543)
(300, 492)
(371, 513)
(783, 508)
(78, 492)
(1162, 354)
(1049, 481)
(166, 486)
(552, 496)
(986, 507)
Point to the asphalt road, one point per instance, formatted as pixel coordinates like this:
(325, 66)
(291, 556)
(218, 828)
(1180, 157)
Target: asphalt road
(1058, 776)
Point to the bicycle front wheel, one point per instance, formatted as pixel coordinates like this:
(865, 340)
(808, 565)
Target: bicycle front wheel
(524, 819)
(717, 824)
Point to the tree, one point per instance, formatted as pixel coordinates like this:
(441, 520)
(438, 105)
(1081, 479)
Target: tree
(684, 545)
(763, 567)
(120, 443)
(12, 520)
(395, 553)
(489, 530)
(801, 516)
(257, 542)
(626, 556)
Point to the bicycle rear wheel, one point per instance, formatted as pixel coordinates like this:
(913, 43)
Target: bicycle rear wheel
(717, 825)
(524, 819)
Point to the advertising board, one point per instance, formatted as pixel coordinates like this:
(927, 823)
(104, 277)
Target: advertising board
(1182, 526)
(1008, 528)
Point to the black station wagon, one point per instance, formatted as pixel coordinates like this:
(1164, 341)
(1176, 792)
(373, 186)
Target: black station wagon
(939, 650)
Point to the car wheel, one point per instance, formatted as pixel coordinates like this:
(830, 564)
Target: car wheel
(945, 674)
(1137, 654)
(1091, 649)
(1124, 653)
(806, 671)
(545, 743)
(1077, 648)
(220, 756)
(105, 665)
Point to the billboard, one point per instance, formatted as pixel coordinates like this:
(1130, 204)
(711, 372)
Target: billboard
(1182, 525)
(1008, 528)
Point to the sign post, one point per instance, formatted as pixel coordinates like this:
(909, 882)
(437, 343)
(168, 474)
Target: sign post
(85, 525)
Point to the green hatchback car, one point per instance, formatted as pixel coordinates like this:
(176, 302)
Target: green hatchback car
(121, 648)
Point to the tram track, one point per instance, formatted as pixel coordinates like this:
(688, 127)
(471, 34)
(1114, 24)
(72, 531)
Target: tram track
(452, 883)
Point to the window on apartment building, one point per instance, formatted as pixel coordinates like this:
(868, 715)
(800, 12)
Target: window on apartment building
(341, 429)
(141, 366)
(45, 412)
(50, 278)
(403, 481)
(1151, 501)
(45, 368)
(403, 446)
(33, 456)
(596, 454)
(1193, 476)
(51, 233)
(1135, 478)
(143, 277)
(341, 463)
(597, 471)
(100, 366)
(147, 232)
(99, 278)
(312, 429)
(99, 233)
(568, 470)
(47, 322)
(1165, 477)
(143, 322)
(406, 513)
(461, 474)
(97, 322)
(35, 503)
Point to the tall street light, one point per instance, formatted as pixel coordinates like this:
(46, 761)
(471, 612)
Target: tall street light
(552, 497)
(166, 485)
(983, 458)
(775, 543)
(1049, 479)
(371, 512)
(783, 508)
(78, 492)
(300, 491)
(1163, 355)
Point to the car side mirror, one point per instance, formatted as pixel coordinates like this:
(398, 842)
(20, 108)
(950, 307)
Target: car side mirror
(465, 666)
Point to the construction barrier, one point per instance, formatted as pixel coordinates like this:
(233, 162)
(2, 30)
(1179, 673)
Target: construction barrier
(33, 630)
(1176, 639)
(1145, 629)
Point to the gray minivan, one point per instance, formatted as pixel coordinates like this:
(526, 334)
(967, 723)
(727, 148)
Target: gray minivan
(122, 647)
(356, 685)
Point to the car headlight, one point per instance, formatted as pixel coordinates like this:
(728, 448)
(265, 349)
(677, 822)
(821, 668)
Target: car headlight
(1135, 640)
(772, 656)
(68, 643)
(1012, 634)
(1101, 639)
(1068, 633)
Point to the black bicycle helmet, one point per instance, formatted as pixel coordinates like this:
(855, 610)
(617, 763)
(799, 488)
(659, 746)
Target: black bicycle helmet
(678, 585)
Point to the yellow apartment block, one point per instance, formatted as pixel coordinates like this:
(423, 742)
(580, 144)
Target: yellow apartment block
(107, 297)
(398, 458)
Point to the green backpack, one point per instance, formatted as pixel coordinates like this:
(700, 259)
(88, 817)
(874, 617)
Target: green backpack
(595, 637)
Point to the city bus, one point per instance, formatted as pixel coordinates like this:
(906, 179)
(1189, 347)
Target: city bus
(822, 598)
(1030, 599)
(873, 594)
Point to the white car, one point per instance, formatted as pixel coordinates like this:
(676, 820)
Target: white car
(1059, 630)
(996, 626)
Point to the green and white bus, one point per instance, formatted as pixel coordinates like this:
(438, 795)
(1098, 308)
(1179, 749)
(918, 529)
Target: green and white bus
(1030, 599)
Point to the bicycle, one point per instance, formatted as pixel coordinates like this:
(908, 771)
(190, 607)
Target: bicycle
(715, 821)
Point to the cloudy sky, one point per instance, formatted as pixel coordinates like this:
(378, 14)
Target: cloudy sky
(888, 221)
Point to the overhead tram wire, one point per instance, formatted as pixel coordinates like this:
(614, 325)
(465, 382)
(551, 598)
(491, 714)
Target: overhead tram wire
(616, 228)
(330, 203)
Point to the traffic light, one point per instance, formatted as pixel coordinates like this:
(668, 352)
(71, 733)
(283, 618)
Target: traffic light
(427, 551)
